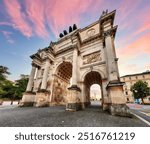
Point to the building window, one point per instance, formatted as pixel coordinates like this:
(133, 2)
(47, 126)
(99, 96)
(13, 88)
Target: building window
(126, 93)
(129, 78)
(143, 76)
(136, 77)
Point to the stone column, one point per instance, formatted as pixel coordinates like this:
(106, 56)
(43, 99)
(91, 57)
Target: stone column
(31, 78)
(110, 56)
(74, 69)
(37, 73)
(74, 101)
(114, 88)
(36, 84)
(45, 75)
(83, 96)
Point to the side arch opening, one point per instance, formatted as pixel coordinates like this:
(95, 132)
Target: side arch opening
(62, 80)
(93, 94)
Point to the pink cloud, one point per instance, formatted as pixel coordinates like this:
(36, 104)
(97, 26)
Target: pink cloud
(126, 11)
(53, 13)
(17, 18)
(65, 12)
(7, 35)
(143, 21)
(139, 46)
(36, 14)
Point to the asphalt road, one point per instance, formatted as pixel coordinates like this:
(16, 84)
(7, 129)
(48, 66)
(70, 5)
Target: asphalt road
(141, 110)
(56, 116)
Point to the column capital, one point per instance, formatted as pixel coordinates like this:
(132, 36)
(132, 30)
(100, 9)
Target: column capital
(34, 65)
(111, 32)
(108, 33)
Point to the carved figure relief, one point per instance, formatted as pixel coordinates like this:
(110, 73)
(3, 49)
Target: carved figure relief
(96, 56)
(60, 91)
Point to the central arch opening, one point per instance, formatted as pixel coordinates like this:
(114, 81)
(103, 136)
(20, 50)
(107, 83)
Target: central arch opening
(62, 80)
(93, 88)
(95, 95)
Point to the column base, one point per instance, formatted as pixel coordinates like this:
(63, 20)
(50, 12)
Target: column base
(42, 98)
(27, 99)
(73, 106)
(74, 103)
(120, 110)
(115, 93)
(85, 104)
(105, 106)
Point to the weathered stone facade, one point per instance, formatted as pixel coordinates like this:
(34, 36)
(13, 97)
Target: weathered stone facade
(63, 72)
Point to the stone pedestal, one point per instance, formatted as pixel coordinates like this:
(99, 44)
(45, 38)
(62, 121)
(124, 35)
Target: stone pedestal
(42, 98)
(120, 110)
(117, 99)
(28, 99)
(74, 102)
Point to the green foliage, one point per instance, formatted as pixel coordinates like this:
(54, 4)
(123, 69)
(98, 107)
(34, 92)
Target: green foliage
(140, 89)
(20, 87)
(9, 89)
(3, 72)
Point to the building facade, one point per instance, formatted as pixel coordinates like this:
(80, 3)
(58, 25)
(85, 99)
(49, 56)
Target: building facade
(63, 72)
(131, 80)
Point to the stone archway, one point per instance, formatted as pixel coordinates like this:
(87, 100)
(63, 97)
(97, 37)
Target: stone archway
(61, 82)
(91, 51)
(91, 78)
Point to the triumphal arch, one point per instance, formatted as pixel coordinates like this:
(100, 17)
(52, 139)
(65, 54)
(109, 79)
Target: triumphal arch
(63, 72)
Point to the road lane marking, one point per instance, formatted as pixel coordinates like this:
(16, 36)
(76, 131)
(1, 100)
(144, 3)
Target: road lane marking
(142, 119)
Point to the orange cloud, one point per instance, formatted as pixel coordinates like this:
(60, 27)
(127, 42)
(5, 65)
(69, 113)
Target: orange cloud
(139, 46)
(18, 19)
(147, 66)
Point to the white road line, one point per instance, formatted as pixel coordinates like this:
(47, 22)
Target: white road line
(148, 123)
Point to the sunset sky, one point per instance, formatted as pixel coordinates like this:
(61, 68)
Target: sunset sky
(27, 25)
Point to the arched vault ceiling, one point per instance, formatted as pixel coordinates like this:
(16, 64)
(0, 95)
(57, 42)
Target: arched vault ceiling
(92, 78)
(65, 71)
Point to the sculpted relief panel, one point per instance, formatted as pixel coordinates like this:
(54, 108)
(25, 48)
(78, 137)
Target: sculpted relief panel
(88, 32)
(60, 91)
(94, 57)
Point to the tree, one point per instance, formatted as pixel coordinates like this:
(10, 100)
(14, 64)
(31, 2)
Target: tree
(140, 90)
(3, 72)
(9, 89)
(21, 85)
(3, 81)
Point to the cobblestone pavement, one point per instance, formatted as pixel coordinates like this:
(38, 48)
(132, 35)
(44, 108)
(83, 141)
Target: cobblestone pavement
(57, 117)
